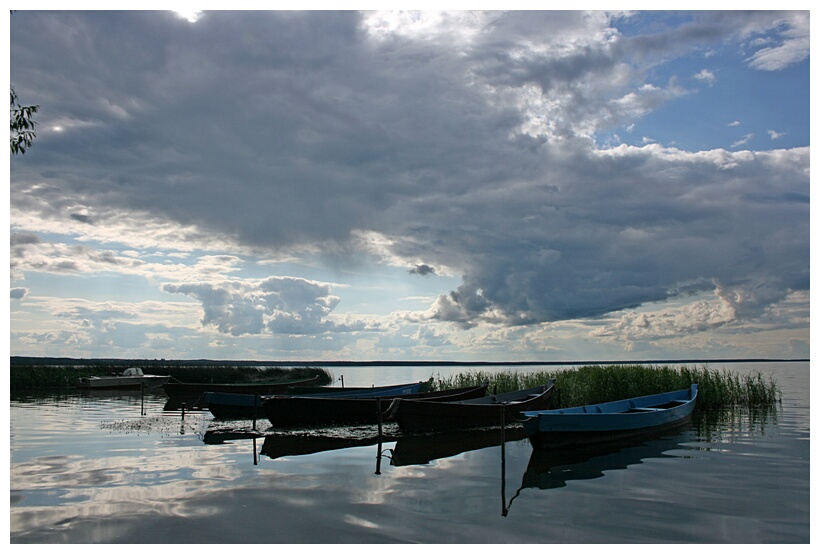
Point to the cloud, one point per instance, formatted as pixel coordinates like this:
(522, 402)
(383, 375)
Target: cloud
(737, 308)
(746, 138)
(630, 237)
(449, 143)
(792, 47)
(788, 30)
(423, 269)
(18, 292)
(706, 76)
(278, 305)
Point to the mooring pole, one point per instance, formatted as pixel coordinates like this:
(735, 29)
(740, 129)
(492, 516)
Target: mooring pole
(255, 403)
(503, 464)
(379, 449)
(142, 398)
(379, 458)
(379, 416)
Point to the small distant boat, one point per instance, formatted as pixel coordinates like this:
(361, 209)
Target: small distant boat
(422, 416)
(132, 378)
(294, 411)
(611, 420)
(245, 406)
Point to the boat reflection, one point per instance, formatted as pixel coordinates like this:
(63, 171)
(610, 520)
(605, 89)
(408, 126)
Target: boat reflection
(228, 436)
(423, 449)
(407, 450)
(546, 469)
(185, 403)
(280, 445)
(549, 469)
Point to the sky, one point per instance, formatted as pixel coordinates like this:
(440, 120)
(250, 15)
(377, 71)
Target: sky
(411, 185)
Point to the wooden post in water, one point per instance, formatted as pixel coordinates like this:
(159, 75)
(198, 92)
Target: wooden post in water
(379, 414)
(255, 403)
(379, 450)
(182, 421)
(379, 459)
(142, 398)
(503, 464)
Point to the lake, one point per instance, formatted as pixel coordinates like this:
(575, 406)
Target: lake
(117, 468)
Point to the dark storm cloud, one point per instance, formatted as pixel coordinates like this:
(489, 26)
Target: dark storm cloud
(17, 293)
(82, 218)
(629, 231)
(283, 129)
(423, 269)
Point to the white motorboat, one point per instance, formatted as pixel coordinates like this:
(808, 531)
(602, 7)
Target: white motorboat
(131, 378)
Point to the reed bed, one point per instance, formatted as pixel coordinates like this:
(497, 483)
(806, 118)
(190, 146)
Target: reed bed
(717, 389)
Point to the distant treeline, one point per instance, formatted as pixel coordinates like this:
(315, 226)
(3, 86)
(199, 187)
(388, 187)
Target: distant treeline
(28, 373)
(34, 360)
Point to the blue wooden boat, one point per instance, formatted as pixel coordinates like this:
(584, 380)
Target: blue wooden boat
(609, 421)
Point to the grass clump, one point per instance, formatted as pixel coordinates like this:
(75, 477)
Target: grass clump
(593, 384)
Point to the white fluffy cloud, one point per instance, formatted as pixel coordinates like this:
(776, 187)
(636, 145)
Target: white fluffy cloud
(277, 304)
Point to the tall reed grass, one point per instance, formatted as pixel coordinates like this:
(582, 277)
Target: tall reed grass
(592, 384)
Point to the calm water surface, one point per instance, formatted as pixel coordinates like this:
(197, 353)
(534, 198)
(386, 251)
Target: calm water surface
(94, 469)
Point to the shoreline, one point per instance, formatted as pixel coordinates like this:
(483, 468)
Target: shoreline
(37, 360)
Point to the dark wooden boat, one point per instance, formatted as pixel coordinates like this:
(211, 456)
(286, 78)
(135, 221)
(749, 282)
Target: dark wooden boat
(334, 390)
(421, 416)
(293, 411)
(225, 405)
(610, 421)
(195, 390)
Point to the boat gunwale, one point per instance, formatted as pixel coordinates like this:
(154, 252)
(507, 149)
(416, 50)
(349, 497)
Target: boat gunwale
(691, 393)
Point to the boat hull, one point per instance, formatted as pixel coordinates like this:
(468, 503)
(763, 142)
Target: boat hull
(244, 406)
(197, 389)
(420, 416)
(135, 382)
(295, 411)
(610, 421)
